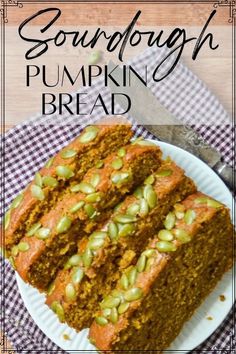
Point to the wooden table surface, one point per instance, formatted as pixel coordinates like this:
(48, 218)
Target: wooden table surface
(210, 69)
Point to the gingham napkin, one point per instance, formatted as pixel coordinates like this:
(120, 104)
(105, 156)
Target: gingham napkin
(29, 145)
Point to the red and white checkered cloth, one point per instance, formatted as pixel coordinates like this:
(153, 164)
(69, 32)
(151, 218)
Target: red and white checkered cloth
(29, 145)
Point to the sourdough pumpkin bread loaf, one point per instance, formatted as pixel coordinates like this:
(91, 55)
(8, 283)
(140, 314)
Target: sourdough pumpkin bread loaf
(179, 268)
(93, 270)
(49, 243)
(60, 172)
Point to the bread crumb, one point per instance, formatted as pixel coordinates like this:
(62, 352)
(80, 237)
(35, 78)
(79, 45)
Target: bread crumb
(66, 337)
(209, 318)
(222, 298)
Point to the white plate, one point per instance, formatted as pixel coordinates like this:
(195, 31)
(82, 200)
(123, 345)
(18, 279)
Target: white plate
(199, 327)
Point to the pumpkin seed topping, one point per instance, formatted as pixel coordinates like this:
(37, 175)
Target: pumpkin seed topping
(125, 218)
(43, 233)
(169, 222)
(132, 276)
(67, 154)
(117, 164)
(151, 198)
(38, 179)
(144, 208)
(182, 235)
(93, 197)
(12, 262)
(141, 264)
(179, 214)
(86, 188)
(64, 171)
(89, 134)
(14, 251)
(149, 180)
(124, 281)
(23, 246)
(75, 260)
(121, 152)
(112, 230)
(77, 206)
(149, 264)
(70, 292)
(77, 275)
(144, 143)
(63, 225)
(164, 173)
(201, 200)
(37, 192)
(58, 309)
(166, 246)
(95, 179)
(123, 308)
(7, 218)
(34, 228)
(49, 162)
(106, 312)
(98, 235)
(49, 181)
(133, 294)
(101, 321)
(99, 164)
(75, 188)
(51, 288)
(133, 209)
(138, 193)
(120, 177)
(16, 202)
(114, 316)
(87, 257)
(90, 210)
(165, 235)
(95, 244)
(189, 216)
(213, 203)
(125, 229)
(149, 253)
(110, 302)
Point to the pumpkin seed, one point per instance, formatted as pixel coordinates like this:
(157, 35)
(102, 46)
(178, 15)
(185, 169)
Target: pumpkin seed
(87, 257)
(133, 209)
(90, 210)
(58, 309)
(117, 164)
(99, 164)
(179, 214)
(118, 207)
(98, 235)
(14, 251)
(133, 294)
(149, 253)
(144, 143)
(16, 202)
(121, 152)
(114, 316)
(147, 189)
(50, 181)
(7, 218)
(149, 180)
(67, 154)
(119, 294)
(120, 177)
(63, 225)
(201, 200)
(89, 134)
(77, 275)
(23, 246)
(11, 260)
(37, 192)
(77, 206)
(95, 179)
(149, 264)
(75, 260)
(124, 281)
(124, 218)
(144, 208)
(189, 216)
(166, 246)
(141, 264)
(106, 312)
(213, 203)
(110, 302)
(169, 222)
(95, 57)
(64, 171)
(165, 235)
(132, 276)
(112, 230)
(151, 198)
(75, 188)
(138, 193)
(38, 180)
(93, 197)
(125, 230)
(164, 173)
(179, 207)
(86, 188)
(49, 162)
(43, 233)
(95, 244)
(51, 288)
(182, 235)
(101, 321)
(33, 229)
(123, 308)
(70, 292)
